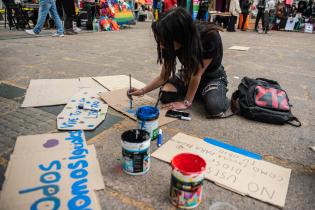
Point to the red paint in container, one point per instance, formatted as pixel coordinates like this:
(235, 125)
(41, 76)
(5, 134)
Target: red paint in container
(187, 179)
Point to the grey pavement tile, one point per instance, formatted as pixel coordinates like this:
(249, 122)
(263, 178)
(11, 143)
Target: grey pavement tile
(10, 91)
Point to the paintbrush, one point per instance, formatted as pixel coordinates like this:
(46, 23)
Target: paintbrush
(130, 96)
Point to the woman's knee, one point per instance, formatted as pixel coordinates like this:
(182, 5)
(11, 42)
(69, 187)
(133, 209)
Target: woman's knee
(216, 102)
(169, 87)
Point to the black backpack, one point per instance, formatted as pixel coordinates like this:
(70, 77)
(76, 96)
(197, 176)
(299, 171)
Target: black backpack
(263, 100)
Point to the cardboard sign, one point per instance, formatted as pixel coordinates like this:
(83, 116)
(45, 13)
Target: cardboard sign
(119, 101)
(46, 92)
(289, 26)
(240, 48)
(89, 82)
(117, 82)
(84, 111)
(247, 176)
(52, 171)
(308, 28)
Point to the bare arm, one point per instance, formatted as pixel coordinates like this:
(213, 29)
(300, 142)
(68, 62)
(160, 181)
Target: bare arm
(156, 82)
(192, 87)
(195, 80)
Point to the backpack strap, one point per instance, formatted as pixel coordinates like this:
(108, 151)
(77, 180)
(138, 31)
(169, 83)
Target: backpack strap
(234, 107)
(268, 80)
(234, 102)
(294, 122)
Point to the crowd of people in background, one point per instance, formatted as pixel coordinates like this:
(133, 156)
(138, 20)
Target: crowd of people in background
(56, 9)
(273, 14)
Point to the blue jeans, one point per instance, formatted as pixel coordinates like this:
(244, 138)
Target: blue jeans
(46, 6)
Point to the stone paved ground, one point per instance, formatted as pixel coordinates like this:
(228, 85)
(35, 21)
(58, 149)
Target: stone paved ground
(286, 57)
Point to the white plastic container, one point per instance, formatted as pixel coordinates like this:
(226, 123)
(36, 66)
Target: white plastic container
(136, 151)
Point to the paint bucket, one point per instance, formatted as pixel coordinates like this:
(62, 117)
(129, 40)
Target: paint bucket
(136, 151)
(188, 172)
(148, 119)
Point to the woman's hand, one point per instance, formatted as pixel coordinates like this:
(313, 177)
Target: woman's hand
(178, 105)
(135, 92)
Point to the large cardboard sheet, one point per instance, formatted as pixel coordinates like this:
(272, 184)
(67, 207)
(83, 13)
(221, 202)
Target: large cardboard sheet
(89, 82)
(52, 171)
(46, 92)
(84, 111)
(119, 101)
(49, 92)
(117, 82)
(247, 176)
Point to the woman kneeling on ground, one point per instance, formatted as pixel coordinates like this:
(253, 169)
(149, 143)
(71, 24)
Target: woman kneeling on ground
(198, 47)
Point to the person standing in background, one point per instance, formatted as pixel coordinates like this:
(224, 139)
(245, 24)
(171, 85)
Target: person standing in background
(169, 4)
(260, 15)
(68, 8)
(245, 5)
(269, 12)
(46, 6)
(235, 10)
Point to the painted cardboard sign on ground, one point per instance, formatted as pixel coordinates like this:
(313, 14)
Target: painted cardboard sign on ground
(247, 176)
(48, 92)
(240, 48)
(117, 82)
(84, 111)
(119, 101)
(52, 171)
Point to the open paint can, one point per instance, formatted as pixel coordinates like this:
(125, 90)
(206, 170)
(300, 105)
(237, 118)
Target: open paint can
(148, 119)
(136, 151)
(188, 172)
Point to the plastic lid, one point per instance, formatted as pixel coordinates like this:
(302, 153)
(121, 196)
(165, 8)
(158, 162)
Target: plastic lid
(188, 163)
(147, 113)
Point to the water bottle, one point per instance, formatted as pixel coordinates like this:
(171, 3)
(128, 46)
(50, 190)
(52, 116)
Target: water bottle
(95, 25)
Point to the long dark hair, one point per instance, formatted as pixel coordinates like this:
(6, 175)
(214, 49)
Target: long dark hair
(178, 25)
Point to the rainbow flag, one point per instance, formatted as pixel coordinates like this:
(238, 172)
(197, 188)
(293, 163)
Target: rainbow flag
(123, 17)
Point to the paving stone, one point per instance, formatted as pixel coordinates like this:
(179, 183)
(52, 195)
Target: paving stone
(7, 105)
(25, 121)
(10, 91)
(3, 148)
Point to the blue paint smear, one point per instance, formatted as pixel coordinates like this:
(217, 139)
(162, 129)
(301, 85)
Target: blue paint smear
(90, 126)
(131, 111)
(233, 148)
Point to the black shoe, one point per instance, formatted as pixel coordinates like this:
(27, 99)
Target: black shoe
(70, 32)
(256, 30)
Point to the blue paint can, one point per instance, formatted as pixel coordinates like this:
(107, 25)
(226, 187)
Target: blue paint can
(136, 151)
(148, 119)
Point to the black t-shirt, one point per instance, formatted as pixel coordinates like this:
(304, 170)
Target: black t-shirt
(212, 48)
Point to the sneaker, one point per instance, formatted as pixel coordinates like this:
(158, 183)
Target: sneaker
(70, 32)
(31, 32)
(77, 29)
(57, 35)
